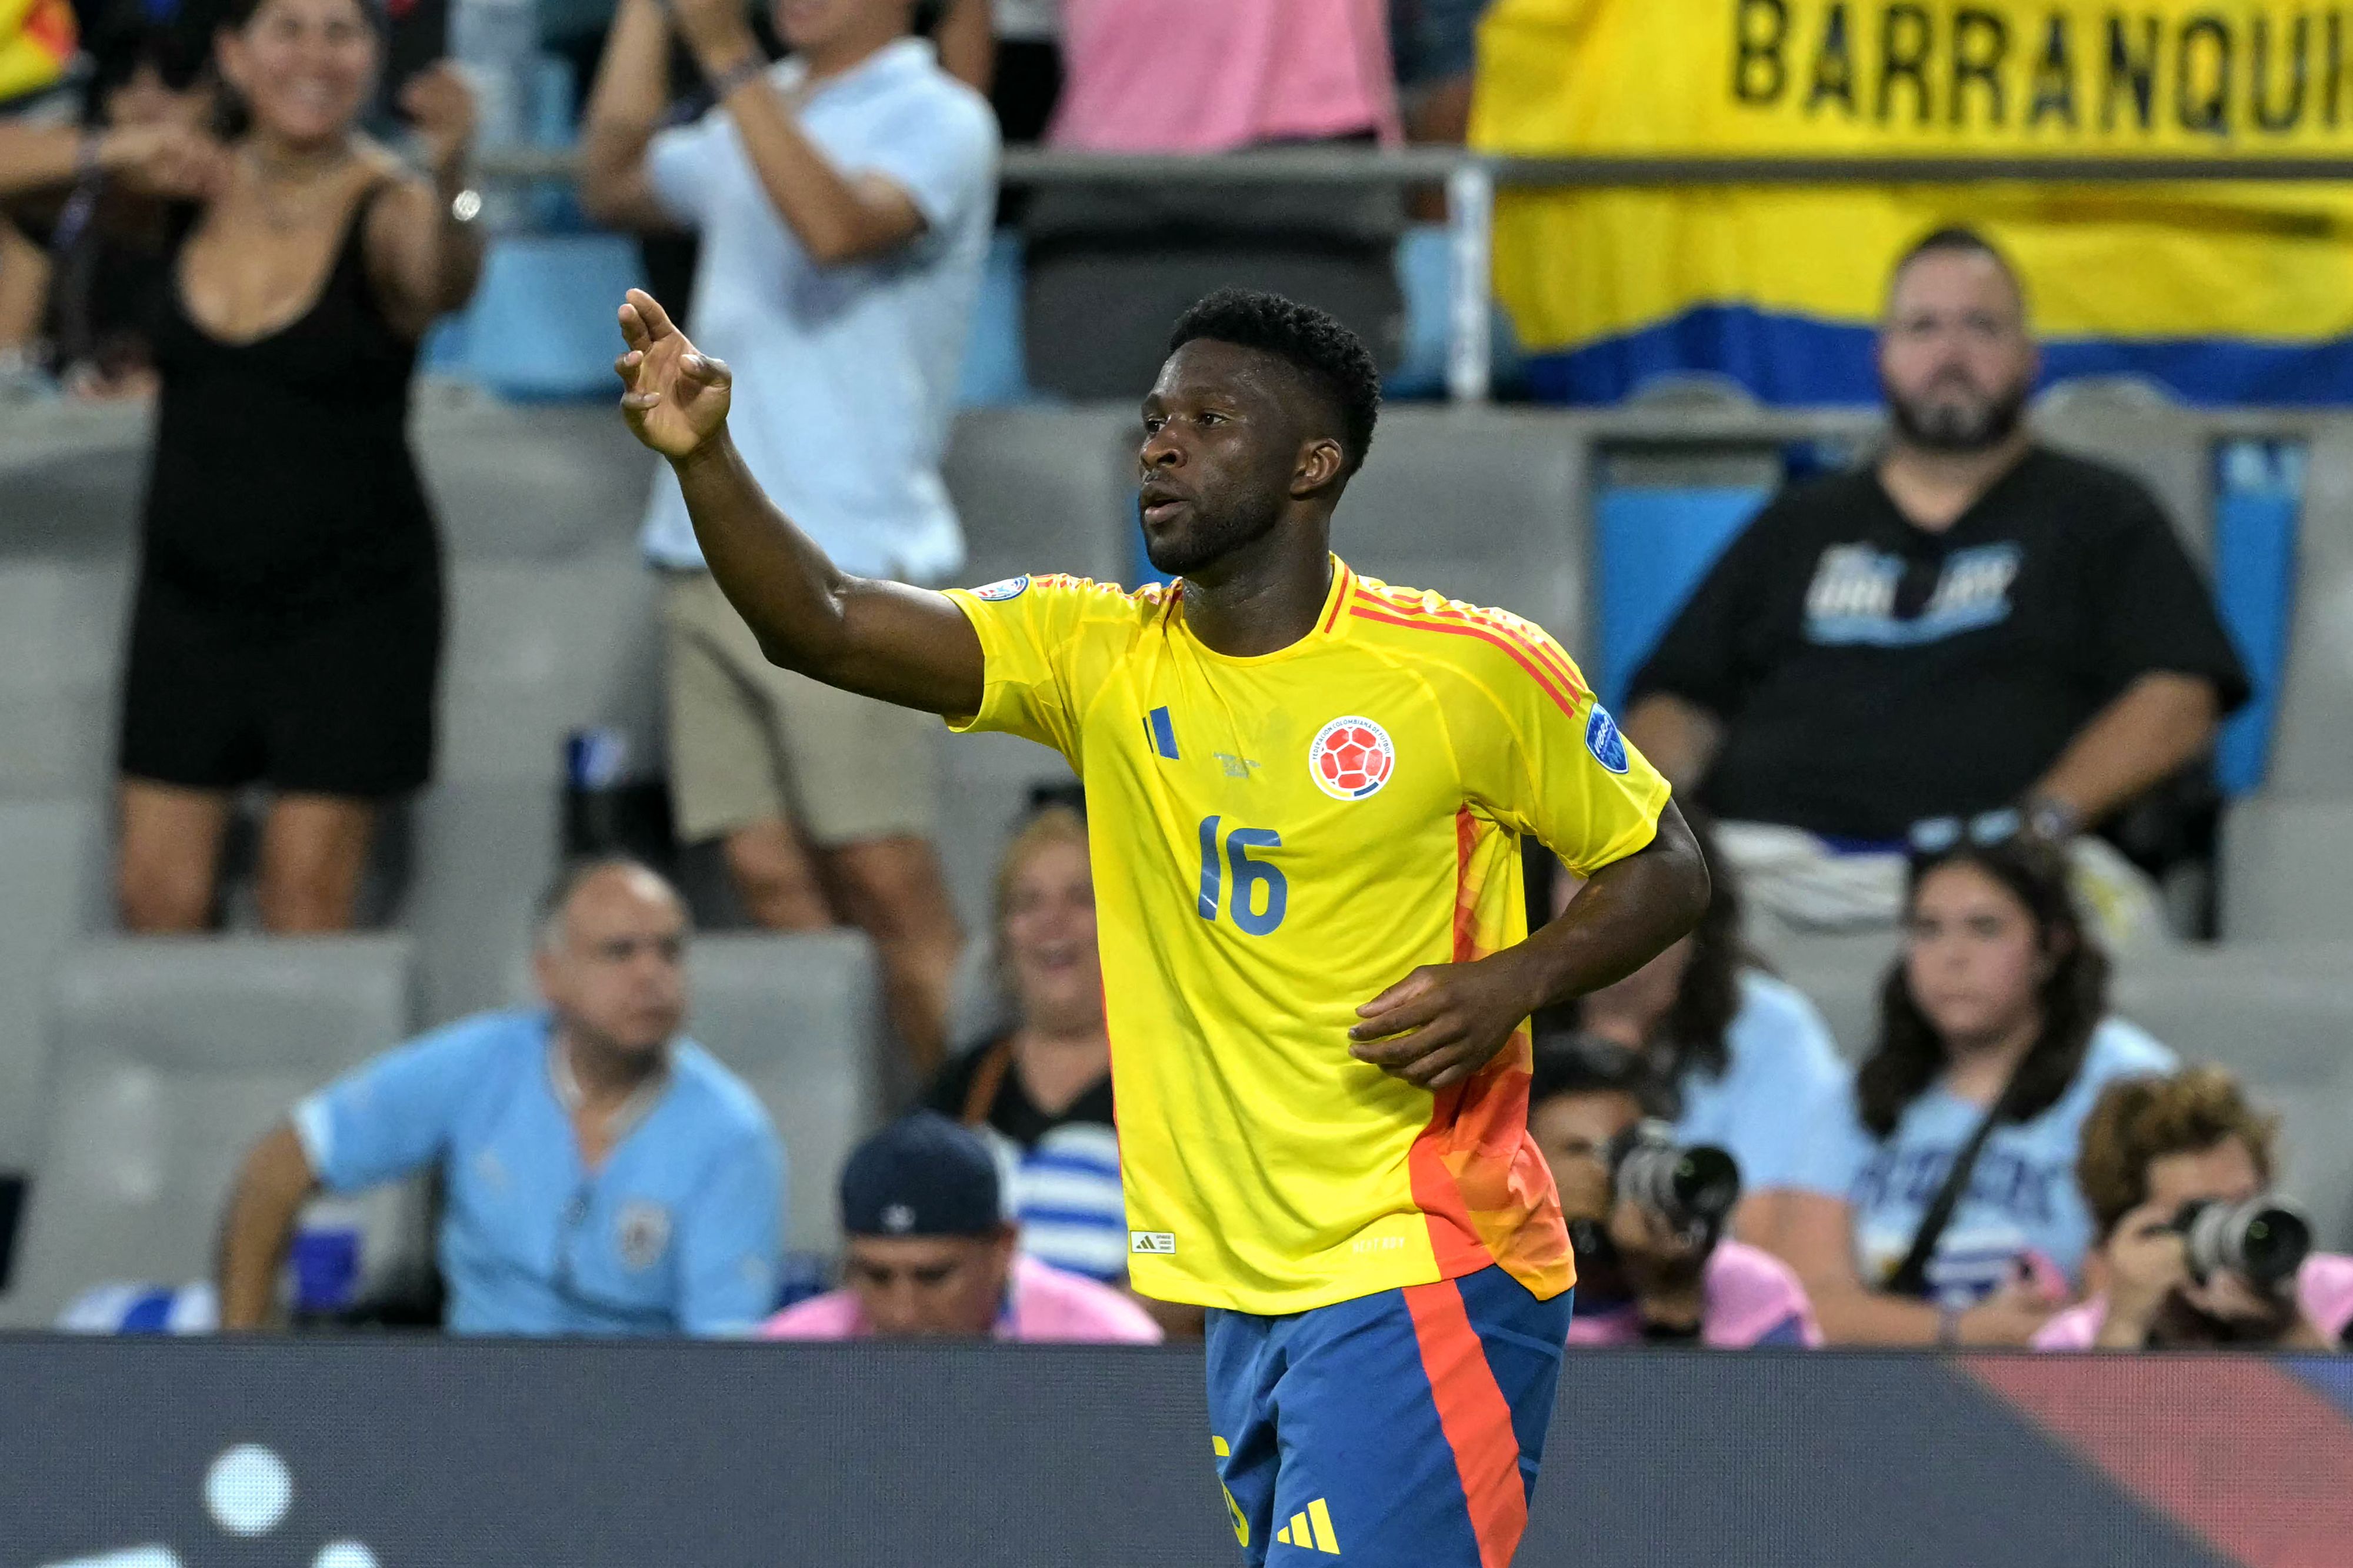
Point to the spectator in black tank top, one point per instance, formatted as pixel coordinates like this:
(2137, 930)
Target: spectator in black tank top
(287, 628)
(1972, 626)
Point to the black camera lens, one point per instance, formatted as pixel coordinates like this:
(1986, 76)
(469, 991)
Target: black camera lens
(2263, 1240)
(1685, 1186)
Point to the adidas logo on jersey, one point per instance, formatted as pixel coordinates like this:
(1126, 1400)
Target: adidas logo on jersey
(1310, 1528)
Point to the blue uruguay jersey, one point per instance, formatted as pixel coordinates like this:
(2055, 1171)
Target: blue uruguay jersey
(677, 1232)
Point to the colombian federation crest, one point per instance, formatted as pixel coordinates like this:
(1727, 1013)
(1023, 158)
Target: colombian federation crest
(1351, 758)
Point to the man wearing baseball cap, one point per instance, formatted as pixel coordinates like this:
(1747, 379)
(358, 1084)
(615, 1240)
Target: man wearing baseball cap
(930, 1253)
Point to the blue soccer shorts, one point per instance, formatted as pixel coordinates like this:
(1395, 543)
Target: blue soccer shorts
(1400, 1430)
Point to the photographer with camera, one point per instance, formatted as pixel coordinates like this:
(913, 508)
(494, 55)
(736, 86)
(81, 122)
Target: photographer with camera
(2195, 1249)
(1648, 1215)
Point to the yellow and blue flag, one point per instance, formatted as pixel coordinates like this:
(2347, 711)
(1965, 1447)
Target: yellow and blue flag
(2226, 293)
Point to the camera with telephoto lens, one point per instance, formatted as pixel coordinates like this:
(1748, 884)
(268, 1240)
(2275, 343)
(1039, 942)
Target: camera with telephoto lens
(2262, 1240)
(1692, 1187)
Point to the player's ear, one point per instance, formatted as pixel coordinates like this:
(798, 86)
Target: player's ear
(1321, 461)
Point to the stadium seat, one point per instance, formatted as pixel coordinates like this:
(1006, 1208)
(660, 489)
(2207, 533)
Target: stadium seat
(986, 786)
(995, 372)
(479, 856)
(541, 324)
(2288, 864)
(799, 1019)
(1841, 975)
(1425, 273)
(169, 1058)
(2274, 1013)
(61, 640)
(2312, 755)
(532, 482)
(1487, 505)
(71, 497)
(535, 653)
(1045, 489)
(52, 869)
(2136, 426)
(2315, 1157)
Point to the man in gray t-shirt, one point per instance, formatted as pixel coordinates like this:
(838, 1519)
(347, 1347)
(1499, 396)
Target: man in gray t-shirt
(844, 199)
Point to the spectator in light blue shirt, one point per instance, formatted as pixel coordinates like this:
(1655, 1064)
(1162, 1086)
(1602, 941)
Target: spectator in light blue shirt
(1995, 1019)
(843, 198)
(601, 1174)
(1749, 1063)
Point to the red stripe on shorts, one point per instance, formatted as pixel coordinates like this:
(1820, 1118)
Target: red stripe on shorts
(1475, 1417)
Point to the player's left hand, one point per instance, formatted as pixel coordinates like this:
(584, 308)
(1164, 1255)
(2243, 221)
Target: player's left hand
(1441, 1023)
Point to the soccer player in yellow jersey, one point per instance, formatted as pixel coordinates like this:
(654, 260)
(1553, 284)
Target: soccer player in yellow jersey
(1305, 792)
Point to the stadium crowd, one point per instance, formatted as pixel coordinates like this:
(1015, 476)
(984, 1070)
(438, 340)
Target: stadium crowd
(225, 212)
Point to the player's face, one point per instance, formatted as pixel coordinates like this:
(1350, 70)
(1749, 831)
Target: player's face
(924, 1285)
(1973, 956)
(304, 68)
(1955, 362)
(1049, 937)
(1222, 450)
(617, 971)
(1574, 1132)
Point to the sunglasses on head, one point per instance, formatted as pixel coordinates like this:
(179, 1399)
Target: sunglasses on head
(1942, 835)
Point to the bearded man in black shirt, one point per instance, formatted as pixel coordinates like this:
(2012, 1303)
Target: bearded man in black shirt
(1971, 633)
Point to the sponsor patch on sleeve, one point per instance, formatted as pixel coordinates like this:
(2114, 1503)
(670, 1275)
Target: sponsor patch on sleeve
(1602, 739)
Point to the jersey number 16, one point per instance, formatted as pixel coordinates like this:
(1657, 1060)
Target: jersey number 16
(1260, 892)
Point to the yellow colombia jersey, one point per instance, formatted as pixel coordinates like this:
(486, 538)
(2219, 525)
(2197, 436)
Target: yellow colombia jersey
(1277, 840)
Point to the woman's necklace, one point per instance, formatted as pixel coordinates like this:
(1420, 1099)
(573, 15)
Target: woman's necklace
(280, 214)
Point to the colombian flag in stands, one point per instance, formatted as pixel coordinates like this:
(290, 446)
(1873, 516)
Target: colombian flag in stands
(36, 44)
(2224, 293)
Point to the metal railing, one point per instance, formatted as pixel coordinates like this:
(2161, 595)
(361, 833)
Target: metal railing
(1470, 179)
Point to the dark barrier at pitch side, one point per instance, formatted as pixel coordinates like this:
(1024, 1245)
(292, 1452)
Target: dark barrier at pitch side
(450, 1454)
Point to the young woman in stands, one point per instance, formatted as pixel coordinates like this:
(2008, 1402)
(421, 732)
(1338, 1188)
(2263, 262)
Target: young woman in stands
(287, 623)
(1041, 1087)
(1750, 1062)
(1937, 1203)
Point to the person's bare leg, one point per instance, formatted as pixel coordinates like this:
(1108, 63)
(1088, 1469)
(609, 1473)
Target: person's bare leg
(24, 288)
(893, 889)
(314, 851)
(776, 878)
(169, 856)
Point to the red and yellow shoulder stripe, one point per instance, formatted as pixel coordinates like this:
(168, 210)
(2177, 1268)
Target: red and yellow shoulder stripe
(1529, 646)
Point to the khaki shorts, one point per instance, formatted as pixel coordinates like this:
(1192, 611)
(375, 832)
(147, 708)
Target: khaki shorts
(750, 743)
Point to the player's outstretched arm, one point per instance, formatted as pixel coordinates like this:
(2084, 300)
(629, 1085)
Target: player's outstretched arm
(903, 644)
(1441, 1023)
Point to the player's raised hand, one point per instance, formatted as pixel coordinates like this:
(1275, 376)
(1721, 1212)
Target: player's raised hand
(676, 397)
(1442, 1023)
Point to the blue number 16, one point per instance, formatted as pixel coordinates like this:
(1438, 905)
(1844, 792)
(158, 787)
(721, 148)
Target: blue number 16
(1250, 877)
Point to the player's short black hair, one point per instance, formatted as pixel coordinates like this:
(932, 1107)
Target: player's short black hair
(1312, 341)
(1957, 239)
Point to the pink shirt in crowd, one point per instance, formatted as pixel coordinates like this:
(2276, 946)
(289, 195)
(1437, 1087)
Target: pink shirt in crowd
(1749, 1297)
(1046, 1305)
(1208, 75)
(2324, 1286)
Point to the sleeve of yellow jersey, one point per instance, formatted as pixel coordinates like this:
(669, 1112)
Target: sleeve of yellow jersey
(1043, 641)
(1554, 765)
